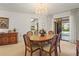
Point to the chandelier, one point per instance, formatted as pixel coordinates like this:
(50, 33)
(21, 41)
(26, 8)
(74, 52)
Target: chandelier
(41, 8)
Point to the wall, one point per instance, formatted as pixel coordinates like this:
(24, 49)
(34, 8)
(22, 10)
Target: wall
(50, 25)
(63, 14)
(22, 23)
(76, 18)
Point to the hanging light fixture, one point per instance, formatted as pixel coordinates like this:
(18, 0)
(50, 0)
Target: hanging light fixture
(41, 8)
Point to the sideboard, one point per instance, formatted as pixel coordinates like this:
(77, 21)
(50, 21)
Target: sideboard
(8, 38)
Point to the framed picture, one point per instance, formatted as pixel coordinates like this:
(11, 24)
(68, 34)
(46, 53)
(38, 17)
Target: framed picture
(4, 23)
(32, 27)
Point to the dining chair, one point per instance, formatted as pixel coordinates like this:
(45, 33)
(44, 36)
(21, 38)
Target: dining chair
(77, 47)
(50, 32)
(29, 46)
(58, 41)
(52, 47)
(29, 33)
(36, 32)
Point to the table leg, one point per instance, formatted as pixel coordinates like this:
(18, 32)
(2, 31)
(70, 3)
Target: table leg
(40, 48)
(40, 51)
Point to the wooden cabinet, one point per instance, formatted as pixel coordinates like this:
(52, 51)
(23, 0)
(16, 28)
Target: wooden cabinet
(8, 38)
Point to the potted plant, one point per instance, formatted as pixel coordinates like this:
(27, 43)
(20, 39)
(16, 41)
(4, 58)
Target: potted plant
(42, 32)
(14, 29)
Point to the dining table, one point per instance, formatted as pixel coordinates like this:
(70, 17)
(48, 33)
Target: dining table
(41, 40)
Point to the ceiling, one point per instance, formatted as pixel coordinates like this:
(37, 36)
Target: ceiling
(53, 8)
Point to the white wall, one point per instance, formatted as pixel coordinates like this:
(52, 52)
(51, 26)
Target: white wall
(22, 23)
(76, 18)
(50, 25)
(63, 14)
(73, 26)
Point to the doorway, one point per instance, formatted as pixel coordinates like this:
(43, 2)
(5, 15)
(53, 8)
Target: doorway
(62, 25)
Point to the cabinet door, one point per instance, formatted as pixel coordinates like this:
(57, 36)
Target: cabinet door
(13, 40)
(0, 40)
(5, 40)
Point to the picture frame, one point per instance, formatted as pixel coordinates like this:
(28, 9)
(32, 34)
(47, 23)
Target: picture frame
(4, 23)
(32, 27)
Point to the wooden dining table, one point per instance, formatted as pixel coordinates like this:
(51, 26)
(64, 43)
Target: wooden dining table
(41, 39)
